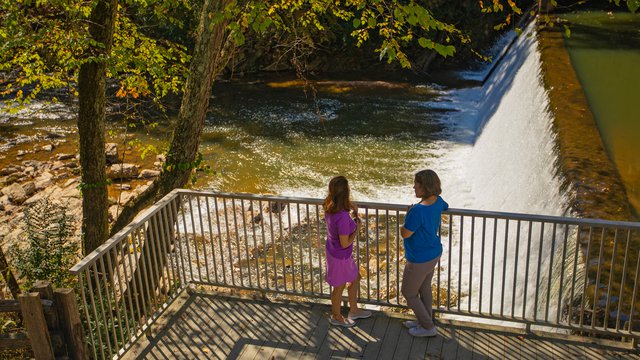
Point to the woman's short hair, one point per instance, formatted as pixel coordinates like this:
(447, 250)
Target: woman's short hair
(430, 182)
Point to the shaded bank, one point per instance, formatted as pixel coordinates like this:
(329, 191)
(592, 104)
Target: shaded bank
(595, 188)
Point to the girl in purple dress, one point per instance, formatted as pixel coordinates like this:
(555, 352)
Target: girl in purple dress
(341, 268)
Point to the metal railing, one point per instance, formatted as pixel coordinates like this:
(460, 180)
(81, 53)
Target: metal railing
(566, 273)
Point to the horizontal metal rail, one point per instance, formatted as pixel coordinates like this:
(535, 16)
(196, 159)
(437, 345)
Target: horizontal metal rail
(566, 273)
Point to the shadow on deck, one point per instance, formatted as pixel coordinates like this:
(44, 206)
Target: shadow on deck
(216, 326)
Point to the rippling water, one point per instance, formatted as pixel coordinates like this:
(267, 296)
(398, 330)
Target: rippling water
(269, 138)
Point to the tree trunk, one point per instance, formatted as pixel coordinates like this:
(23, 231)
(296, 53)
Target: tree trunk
(91, 127)
(211, 54)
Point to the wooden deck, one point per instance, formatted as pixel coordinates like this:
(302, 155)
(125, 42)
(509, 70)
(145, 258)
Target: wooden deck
(206, 326)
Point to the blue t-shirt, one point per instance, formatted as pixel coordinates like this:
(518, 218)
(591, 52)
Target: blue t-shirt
(424, 220)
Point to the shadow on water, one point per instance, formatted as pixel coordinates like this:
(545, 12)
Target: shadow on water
(502, 80)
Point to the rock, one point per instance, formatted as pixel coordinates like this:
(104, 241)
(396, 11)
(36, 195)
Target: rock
(122, 171)
(47, 148)
(8, 180)
(111, 152)
(148, 174)
(22, 152)
(34, 163)
(124, 197)
(161, 158)
(45, 175)
(71, 165)
(9, 170)
(16, 193)
(29, 188)
(140, 189)
(57, 165)
(114, 211)
(30, 171)
(158, 165)
(43, 182)
(71, 182)
(51, 135)
(123, 186)
(65, 156)
(4, 200)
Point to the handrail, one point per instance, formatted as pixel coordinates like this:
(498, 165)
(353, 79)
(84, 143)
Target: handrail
(502, 266)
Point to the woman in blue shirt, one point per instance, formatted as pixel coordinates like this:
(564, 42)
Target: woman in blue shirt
(422, 249)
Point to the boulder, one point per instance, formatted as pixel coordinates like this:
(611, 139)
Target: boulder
(111, 152)
(9, 170)
(65, 156)
(71, 182)
(149, 174)
(43, 182)
(16, 193)
(47, 148)
(29, 188)
(122, 171)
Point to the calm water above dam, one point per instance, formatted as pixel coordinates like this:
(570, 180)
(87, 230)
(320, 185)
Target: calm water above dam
(605, 52)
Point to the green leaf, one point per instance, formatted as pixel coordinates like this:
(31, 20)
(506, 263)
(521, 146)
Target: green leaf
(633, 5)
(423, 42)
(371, 22)
(567, 31)
(356, 23)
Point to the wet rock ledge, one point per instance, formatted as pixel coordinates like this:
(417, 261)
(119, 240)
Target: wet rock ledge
(595, 187)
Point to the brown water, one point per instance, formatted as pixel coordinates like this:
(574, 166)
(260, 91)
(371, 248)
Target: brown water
(605, 52)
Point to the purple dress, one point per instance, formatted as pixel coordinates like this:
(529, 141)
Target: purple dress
(341, 268)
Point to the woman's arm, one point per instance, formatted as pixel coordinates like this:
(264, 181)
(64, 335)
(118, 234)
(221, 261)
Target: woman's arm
(405, 233)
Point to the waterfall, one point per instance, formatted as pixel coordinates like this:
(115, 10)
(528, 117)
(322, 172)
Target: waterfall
(505, 156)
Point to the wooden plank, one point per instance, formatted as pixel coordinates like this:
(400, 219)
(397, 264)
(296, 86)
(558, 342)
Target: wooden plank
(464, 338)
(315, 313)
(14, 306)
(361, 335)
(70, 323)
(318, 336)
(405, 342)
(419, 348)
(372, 349)
(449, 348)
(222, 313)
(390, 340)
(434, 347)
(36, 325)
(258, 312)
(14, 341)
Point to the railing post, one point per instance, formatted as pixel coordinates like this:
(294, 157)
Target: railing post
(45, 290)
(36, 325)
(71, 326)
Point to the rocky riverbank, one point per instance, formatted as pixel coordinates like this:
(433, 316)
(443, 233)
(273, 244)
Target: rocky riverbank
(24, 182)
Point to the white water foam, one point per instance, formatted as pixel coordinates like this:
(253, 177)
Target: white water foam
(509, 165)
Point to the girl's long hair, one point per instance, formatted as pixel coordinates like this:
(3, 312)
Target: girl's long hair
(339, 196)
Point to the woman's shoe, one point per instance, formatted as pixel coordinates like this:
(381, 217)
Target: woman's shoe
(419, 331)
(410, 324)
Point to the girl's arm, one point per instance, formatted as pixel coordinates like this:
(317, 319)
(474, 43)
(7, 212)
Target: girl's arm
(346, 240)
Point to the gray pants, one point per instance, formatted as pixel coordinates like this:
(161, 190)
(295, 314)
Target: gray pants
(416, 288)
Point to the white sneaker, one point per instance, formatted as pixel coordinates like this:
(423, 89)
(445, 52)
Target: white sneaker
(410, 324)
(419, 331)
